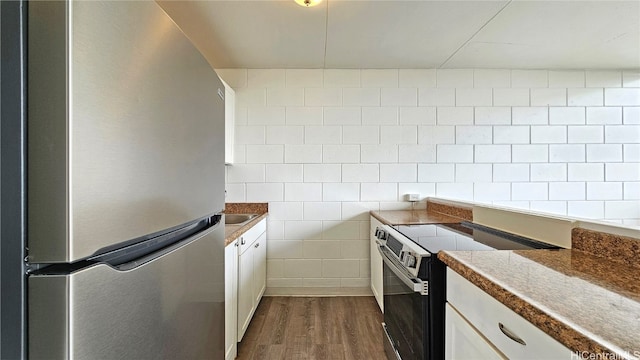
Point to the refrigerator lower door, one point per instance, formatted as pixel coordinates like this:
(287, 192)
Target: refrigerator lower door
(171, 307)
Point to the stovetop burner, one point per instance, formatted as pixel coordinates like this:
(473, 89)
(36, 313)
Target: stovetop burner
(466, 236)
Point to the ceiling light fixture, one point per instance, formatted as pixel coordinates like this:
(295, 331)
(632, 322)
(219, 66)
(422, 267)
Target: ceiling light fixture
(308, 3)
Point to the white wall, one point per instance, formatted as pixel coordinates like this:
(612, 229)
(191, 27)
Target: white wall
(325, 146)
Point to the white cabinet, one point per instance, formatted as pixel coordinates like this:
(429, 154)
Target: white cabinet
(231, 300)
(229, 122)
(252, 273)
(259, 267)
(250, 236)
(502, 328)
(376, 265)
(463, 342)
(245, 292)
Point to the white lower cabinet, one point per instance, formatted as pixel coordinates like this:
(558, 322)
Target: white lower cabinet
(259, 267)
(475, 319)
(252, 274)
(463, 342)
(376, 265)
(245, 292)
(231, 300)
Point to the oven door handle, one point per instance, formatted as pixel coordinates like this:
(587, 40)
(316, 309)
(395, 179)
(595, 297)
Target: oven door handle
(414, 283)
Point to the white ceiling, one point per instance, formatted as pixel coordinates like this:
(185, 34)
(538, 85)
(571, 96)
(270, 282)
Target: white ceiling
(538, 34)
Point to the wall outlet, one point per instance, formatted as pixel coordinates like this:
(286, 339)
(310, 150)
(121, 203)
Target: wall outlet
(413, 197)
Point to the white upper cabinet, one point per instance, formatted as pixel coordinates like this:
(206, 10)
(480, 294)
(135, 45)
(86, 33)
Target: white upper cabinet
(229, 122)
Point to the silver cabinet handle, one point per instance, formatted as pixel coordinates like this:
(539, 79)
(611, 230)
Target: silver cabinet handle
(511, 335)
(236, 244)
(242, 241)
(256, 245)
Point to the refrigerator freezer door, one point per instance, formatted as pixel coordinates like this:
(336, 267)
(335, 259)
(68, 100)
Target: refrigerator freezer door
(126, 128)
(169, 308)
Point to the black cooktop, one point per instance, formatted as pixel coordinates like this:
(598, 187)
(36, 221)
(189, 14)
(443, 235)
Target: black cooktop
(466, 236)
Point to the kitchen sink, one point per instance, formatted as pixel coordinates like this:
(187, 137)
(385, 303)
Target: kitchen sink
(238, 219)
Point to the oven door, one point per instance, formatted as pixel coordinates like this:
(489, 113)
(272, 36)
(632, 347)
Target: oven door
(405, 310)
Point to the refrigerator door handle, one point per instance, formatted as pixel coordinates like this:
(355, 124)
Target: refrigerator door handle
(215, 223)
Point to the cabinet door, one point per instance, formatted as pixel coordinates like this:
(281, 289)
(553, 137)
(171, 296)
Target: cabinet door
(259, 268)
(231, 299)
(463, 342)
(376, 265)
(245, 291)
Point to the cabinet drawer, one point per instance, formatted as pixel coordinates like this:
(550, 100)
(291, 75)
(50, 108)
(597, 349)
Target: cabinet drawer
(250, 236)
(463, 342)
(486, 314)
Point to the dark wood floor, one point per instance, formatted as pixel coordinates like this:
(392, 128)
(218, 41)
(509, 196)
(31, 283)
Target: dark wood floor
(314, 328)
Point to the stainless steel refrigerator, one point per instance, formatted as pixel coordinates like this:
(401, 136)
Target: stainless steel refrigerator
(125, 186)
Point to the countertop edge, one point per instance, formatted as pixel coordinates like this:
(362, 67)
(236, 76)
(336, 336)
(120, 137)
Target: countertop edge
(557, 329)
(380, 218)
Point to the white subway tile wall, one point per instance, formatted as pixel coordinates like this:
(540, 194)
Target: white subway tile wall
(324, 147)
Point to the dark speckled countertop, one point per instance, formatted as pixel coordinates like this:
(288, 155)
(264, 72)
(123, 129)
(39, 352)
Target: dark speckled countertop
(435, 213)
(586, 302)
(405, 217)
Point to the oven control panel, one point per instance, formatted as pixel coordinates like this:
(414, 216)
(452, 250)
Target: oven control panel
(408, 259)
(381, 235)
(406, 252)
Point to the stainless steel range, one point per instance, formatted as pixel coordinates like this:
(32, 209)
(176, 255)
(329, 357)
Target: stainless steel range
(415, 282)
